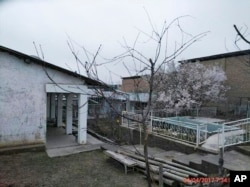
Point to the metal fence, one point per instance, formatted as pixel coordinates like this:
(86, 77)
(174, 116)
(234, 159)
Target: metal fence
(180, 130)
(229, 133)
(185, 131)
(200, 111)
(133, 119)
(234, 132)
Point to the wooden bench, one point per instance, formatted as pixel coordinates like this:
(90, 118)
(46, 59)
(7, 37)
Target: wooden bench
(127, 162)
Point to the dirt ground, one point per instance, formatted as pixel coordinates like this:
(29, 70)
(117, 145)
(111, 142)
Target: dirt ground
(106, 127)
(83, 169)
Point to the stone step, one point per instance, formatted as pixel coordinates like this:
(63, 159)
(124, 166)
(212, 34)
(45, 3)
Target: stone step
(243, 149)
(169, 155)
(205, 162)
(186, 159)
(233, 160)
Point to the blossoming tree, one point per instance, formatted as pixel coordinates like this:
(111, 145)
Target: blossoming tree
(190, 84)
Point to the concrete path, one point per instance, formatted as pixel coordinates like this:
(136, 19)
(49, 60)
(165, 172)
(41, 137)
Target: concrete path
(64, 151)
(60, 144)
(233, 160)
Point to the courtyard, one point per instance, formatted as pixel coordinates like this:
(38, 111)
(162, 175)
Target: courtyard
(84, 169)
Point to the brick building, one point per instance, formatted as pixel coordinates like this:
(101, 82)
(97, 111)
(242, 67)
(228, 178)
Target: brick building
(137, 88)
(237, 68)
(134, 84)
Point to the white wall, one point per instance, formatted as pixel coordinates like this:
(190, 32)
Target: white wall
(23, 100)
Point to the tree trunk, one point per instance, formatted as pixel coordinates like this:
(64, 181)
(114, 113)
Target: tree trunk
(160, 175)
(146, 153)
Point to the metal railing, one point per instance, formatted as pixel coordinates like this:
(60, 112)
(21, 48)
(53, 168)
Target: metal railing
(133, 119)
(234, 132)
(184, 131)
(229, 133)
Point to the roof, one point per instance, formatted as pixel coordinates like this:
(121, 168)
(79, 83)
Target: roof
(132, 77)
(139, 97)
(213, 57)
(28, 59)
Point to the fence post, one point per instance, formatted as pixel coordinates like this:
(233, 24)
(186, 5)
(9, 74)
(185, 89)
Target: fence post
(223, 137)
(219, 131)
(206, 132)
(197, 135)
(221, 151)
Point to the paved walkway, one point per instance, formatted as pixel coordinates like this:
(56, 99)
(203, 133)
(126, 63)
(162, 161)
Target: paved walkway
(60, 144)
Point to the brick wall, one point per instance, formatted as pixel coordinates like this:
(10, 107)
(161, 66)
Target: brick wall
(237, 70)
(134, 84)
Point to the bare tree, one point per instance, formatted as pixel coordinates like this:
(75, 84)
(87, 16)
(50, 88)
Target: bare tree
(144, 63)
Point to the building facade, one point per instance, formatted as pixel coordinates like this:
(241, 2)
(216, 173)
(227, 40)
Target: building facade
(137, 88)
(30, 91)
(237, 69)
(134, 84)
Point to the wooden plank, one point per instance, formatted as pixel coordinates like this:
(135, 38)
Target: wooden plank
(167, 167)
(121, 158)
(126, 161)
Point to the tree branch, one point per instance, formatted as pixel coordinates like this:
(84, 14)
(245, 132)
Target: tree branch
(239, 33)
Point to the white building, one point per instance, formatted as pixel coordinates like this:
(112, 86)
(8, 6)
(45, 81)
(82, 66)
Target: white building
(30, 89)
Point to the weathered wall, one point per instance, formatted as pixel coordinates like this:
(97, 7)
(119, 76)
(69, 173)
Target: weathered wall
(23, 100)
(132, 136)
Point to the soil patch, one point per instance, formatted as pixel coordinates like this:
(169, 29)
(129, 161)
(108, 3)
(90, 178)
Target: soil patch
(83, 169)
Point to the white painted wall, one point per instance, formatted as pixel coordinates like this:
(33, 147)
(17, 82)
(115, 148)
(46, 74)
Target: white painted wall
(23, 100)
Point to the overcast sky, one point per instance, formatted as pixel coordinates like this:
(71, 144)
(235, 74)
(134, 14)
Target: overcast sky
(108, 22)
